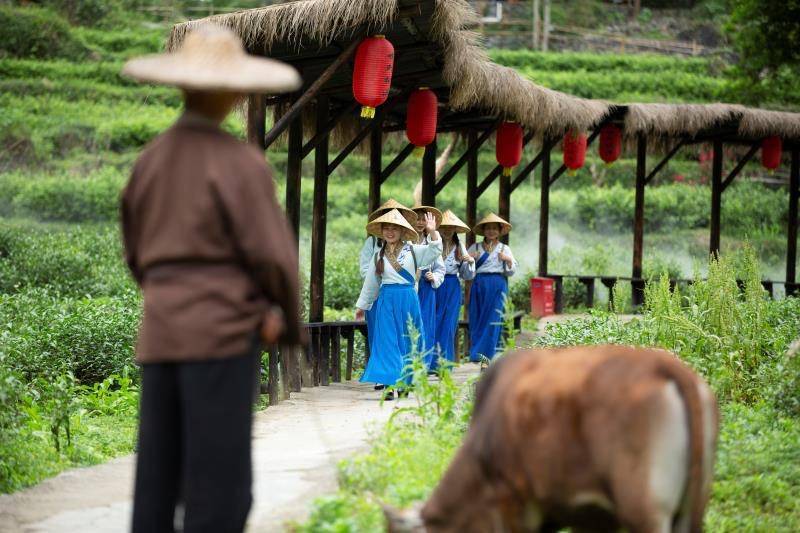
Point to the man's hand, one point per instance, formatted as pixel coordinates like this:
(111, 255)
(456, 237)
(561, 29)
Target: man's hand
(359, 315)
(429, 275)
(273, 325)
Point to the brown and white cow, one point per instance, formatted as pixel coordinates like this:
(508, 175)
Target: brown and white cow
(593, 438)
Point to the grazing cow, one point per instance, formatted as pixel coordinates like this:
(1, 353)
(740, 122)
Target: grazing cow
(592, 438)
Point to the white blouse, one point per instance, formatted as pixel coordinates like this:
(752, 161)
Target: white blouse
(465, 270)
(368, 251)
(426, 255)
(493, 264)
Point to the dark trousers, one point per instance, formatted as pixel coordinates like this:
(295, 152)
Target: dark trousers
(194, 444)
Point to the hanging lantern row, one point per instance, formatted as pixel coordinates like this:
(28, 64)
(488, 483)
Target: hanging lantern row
(372, 73)
(771, 149)
(508, 146)
(574, 148)
(421, 117)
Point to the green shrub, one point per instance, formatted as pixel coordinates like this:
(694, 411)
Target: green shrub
(342, 277)
(36, 33)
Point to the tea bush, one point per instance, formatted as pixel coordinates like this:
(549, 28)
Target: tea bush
(37, 33)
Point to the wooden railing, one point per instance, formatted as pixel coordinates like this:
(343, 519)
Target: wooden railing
(330, 356)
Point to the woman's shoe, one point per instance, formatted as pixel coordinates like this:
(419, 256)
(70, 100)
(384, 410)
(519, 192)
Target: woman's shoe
(402, 393)
(379, 387)
(388, 396)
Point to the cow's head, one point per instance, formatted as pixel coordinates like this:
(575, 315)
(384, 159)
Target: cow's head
(404, 520)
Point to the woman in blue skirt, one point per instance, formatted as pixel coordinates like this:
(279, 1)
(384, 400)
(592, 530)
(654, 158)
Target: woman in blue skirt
(372, 246)
(458, 264)
(430, 279)
(388, 291)
(494, 264)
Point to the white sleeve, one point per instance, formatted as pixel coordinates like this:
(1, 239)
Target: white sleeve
(438, 269)
(426, 254)
(467, 268)
(365, 257)
(370, 289)
(510, 271)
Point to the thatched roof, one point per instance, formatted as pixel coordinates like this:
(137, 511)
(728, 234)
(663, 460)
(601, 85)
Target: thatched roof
(438, 32)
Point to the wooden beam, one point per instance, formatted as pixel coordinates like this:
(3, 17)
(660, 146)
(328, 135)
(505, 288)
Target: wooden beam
(589, 141)
(294, 169)
(661, 164)
(530, 167)
(716, 198)
(312, 143)
(544, 209)
(794, 195)
(256, 119)
(637, 296)
(396, 162)
(504, 202)
(472, 148)
(415, 76)
(311, 92)
(740, 165)
(320, 215)
(472, 187)
(429, 175)
(375, 164)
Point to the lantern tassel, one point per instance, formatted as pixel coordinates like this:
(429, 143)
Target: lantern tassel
(571, 172)
(367, 112)
(419, 151)
(507, 171)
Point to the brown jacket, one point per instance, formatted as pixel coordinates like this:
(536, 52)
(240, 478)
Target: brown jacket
(208, 244)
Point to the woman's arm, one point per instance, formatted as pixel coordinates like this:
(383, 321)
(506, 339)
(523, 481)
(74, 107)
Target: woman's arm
(369, 290)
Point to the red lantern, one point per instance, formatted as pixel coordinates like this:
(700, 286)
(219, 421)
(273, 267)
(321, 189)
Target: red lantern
(574, 150)
(421, 117)
(610, 143)
(771, 149)
(372, 74)
(508, 146)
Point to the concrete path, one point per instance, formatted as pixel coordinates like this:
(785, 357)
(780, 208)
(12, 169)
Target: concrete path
(296, 446)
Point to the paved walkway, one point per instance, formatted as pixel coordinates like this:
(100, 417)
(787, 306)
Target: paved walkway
(296, 446)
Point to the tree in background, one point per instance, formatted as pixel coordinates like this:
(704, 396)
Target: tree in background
(766, 36)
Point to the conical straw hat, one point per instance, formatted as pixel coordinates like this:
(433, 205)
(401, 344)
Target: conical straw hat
(390, 204)
(392, 217)
(491, 218)
(435, 212)
(212, 58)
(450, 220)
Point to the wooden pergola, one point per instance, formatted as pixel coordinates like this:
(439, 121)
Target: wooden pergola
(434, 47)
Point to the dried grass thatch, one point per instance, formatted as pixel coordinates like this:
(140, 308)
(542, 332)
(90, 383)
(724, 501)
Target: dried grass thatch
(476, 82)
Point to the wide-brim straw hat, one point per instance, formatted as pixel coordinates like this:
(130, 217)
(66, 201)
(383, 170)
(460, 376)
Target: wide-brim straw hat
(392, 217)
(212, 58)
(450, 220)
(390, 204)
(436, 213)
(491, 218)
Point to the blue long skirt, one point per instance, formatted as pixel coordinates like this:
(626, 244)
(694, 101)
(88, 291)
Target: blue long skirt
(391, 344)
(448, 307)
(486, 314)
(427, 306)
(369, 316)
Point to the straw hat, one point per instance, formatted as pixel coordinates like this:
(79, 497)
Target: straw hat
(491, 218)
(450, 220)
(213, 58)
(392, 217)
(426, 208)
(390, 204)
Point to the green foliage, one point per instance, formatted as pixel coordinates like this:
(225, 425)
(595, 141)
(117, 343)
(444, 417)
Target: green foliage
(36, 33)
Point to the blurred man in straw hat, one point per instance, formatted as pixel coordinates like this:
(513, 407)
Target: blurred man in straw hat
(208, 244)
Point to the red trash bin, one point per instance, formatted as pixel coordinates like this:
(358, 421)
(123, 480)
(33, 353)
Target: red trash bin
(542, 297)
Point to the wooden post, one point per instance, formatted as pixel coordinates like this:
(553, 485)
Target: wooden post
(294, 169)
(504, 202)
(546, 29)
(429, 175)
(637, 296)
(320, 216)
(375, 167)
(537, 23)
(716, 198)
(257, 119)
(791, 245)
(544, 209)
(472, 186)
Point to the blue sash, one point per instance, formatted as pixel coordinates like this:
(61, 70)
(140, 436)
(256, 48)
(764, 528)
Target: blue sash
(407, 275)
(481, 260)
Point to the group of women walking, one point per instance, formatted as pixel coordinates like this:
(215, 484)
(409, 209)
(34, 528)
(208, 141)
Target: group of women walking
(413, 263)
